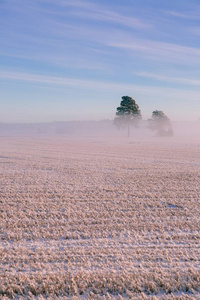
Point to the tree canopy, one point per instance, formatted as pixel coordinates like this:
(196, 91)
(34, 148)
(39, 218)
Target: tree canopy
(160, 123)
(127, 114)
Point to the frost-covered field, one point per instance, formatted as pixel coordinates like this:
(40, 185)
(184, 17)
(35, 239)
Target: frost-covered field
(99, 219)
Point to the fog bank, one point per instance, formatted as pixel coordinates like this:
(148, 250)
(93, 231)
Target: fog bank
(95, 129)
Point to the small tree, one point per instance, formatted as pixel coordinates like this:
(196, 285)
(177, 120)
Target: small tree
(160, 123)
(127, 114)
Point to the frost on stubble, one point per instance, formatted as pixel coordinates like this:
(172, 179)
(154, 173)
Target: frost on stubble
(96, 219)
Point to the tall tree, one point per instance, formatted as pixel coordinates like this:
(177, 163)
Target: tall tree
(160, 123)
(128, 114)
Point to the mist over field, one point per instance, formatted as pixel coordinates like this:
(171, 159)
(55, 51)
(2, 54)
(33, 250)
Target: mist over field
(88, 213)
(103, 128)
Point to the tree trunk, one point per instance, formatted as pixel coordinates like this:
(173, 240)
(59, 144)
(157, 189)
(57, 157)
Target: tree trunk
(128, 132)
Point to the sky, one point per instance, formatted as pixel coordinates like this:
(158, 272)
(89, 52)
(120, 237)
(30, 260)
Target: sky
(70, 60)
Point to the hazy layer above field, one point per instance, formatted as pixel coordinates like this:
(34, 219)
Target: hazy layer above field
(98, 217)
(95, 129)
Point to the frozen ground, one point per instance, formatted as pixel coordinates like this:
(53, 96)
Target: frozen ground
(99, 219)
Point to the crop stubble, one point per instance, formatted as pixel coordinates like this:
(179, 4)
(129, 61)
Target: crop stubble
(99, 218)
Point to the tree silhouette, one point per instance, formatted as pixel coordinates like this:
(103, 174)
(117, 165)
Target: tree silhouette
(160, 123)
(128, 114)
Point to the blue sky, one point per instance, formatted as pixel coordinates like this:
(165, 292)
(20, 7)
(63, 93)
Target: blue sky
(74, 59)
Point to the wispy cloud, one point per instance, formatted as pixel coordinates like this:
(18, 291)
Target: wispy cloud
(188, 15)
(114, 18)
(64, 33)
(100, 85)
(62, 81)
(185, 81)
(91, 11)
(160, 50)
(60, 61)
